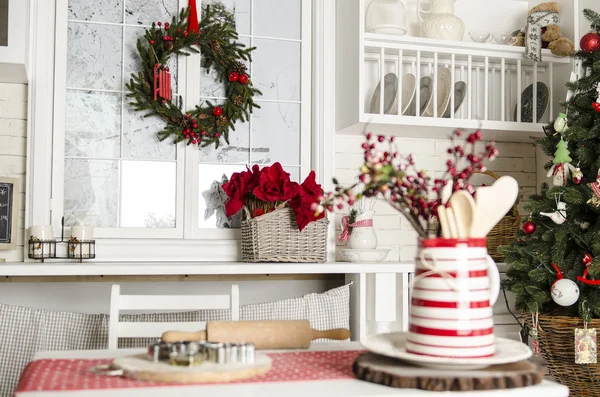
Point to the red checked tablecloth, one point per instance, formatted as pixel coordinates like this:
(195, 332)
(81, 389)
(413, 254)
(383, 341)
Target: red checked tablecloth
(75, 374)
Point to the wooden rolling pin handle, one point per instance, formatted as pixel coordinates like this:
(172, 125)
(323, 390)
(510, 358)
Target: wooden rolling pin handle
(177, 336)
(336, 334)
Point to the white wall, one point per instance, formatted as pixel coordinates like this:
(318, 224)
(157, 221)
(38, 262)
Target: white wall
(13, 137)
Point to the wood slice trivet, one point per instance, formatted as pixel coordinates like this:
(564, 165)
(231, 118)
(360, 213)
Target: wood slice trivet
(143, 368)
(391, 372)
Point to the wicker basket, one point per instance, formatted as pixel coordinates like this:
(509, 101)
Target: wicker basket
(274, 237)
(504, 233)
(557, 343)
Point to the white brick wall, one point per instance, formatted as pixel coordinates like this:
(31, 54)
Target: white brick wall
(393, 230)
(13, 139)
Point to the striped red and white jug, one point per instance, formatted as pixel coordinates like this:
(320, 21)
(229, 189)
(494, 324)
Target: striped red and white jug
(455, 286)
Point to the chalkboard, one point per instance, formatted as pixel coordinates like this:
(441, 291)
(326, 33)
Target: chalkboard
(8, 212)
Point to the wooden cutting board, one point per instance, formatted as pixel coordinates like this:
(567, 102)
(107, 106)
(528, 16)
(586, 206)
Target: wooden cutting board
(395, 373)
(143, 368)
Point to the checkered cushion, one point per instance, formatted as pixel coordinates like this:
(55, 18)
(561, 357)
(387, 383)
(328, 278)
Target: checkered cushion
(23, 331)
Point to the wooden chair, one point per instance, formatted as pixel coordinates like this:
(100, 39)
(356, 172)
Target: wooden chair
(120, 303)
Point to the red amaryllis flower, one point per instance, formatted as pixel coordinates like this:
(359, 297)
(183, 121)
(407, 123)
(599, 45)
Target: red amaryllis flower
(238, 187)
(308, 195)
(275, 185)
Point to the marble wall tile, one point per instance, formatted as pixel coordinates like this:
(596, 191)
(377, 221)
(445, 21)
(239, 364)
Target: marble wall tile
(276, 133)
(272, 18)
(96, 10)
(93, 124)
(91, 196)
(140, 140)
(94, 56)
(276, 69)
(144, 12)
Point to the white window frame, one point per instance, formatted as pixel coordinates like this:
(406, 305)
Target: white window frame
(45, 187)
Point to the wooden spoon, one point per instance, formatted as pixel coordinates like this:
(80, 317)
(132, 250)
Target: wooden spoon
(463, 206)
(452, 223)
(447, 192)
(443, 221)
(492, 203)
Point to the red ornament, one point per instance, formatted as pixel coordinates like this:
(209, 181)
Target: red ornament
(528, 227)
(243, 79)
(185, 34)
(217, 135)
(151, 42)
(590, 42)
(166, 25)
(159, 23)
(193, 18)
(587, 259)
(162, 83)
(233, 77)
(596, 106)
(217, 111)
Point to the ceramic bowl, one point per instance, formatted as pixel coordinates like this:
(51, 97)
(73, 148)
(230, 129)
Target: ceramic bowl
(361, 256)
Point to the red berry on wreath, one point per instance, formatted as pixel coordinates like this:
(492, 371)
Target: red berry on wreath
(217, 111)
(151, 42)
(217, 135)
(203, 132)
(166, 25)
(185, 34)
(243, 79)
(596, 106)
(233, 77)
(165, 38)
(528, 227)
(187, 116)
(159, 23)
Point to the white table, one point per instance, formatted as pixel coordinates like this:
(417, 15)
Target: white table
(330, 388)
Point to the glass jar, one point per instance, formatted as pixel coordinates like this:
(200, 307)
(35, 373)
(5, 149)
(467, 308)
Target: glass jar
(386, 17)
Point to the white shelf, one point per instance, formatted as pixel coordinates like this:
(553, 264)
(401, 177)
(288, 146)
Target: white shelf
(191, 268)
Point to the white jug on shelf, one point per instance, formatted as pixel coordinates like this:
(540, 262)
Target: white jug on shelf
(363, 235)
(439, 21)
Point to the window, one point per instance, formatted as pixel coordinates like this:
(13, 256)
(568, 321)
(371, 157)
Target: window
(110, 170)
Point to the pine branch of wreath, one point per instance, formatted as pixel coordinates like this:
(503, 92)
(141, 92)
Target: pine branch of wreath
(217, 41)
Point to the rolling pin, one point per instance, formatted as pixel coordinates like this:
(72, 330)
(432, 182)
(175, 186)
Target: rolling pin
(296, 334)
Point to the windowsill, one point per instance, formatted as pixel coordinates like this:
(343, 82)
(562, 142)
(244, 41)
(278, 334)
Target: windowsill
(56, 268)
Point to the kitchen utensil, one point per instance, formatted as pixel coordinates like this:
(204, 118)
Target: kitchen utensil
(452, 223)
(479, 36)
(395, 344)
(443, 216)
(295, 334)
(446, 192)
(190, 353)
(444, 91)
(364, 255)
(463, 205)
(543, 95)
(492, 203)
(390, 95)
(460, 93)
(426, 91)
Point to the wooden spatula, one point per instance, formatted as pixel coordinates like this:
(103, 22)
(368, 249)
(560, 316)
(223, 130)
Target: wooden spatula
(295, 334)
(463, 205)
(492, 203)
(444, 221)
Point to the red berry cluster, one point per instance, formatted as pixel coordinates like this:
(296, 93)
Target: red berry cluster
(190, 132)
(240, 78)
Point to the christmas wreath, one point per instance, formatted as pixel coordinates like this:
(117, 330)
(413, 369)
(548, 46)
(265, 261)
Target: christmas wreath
(215, 37)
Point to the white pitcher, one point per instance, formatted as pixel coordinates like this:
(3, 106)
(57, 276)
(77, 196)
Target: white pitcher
(363, 236)
(439, 22)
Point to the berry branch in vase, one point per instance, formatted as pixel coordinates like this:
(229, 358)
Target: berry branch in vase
(395, 178)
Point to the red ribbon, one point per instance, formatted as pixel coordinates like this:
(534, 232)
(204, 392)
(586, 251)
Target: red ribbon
(345, 227)
(193, 18)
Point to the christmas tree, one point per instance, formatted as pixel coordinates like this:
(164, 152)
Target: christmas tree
(561, 238)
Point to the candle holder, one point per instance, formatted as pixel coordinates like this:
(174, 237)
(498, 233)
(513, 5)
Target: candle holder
(76, 249)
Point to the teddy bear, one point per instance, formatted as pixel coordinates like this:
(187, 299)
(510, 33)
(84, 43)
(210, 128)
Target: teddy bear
(542, 21)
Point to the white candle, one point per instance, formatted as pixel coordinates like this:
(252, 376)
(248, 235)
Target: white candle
(42, 233)
(81, 233)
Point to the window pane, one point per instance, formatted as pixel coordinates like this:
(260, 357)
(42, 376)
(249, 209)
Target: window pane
(94, 56)
(241, 9)
(209, 84)
(140, 140)
(237, 152)
(276, 69)
(93, 124)
(148, 194)
(96, 10)
(276, 133)
(91, 192)
(273, 18)
(211, 214)
(144, 12)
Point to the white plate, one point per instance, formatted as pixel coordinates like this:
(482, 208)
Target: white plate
(390, 96)
(460, 93)
(444, 91)
(357, 255)
(409, 89)
(394, 345)
(426, 95)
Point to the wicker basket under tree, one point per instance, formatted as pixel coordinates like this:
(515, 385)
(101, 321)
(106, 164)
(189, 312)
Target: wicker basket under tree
(556, 335)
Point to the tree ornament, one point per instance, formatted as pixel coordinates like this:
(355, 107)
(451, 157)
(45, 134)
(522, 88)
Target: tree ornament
(233, 77)
(595, 186)
(564, 291)
(596, 105)
(560, 124)
(587, 259)
(217, 111)
(577, 176)
(590, 42)
(244, 79)
(528, 227)
(155, 97)
(560, 215)
(562, 167)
